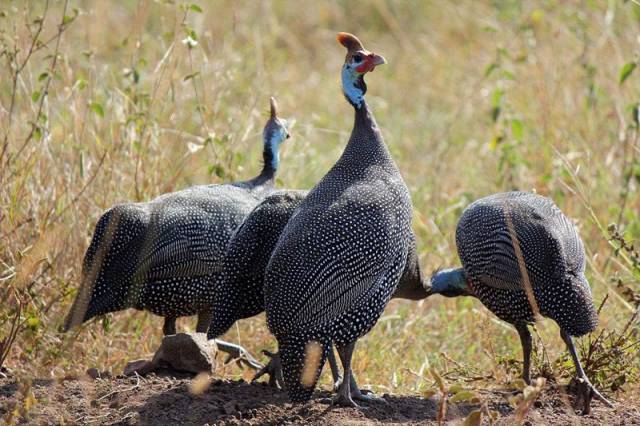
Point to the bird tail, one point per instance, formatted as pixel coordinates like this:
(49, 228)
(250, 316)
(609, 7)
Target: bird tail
(91, 266)
(577, 315)
(302, 361)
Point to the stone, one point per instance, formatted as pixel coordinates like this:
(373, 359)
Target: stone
(189, 352)
(140, 366)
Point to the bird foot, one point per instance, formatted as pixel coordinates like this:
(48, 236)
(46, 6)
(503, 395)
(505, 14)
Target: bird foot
(342, 400)
(586, 392)
(273, 369)
(239, 354)
(368, 396)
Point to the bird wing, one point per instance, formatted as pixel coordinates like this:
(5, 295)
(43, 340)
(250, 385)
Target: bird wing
(336, 256)
(188, 233)
(486, 244)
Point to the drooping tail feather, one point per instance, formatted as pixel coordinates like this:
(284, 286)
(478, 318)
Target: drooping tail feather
(92, 264)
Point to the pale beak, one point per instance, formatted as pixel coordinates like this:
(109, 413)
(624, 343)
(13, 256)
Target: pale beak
(378, 60)
(375, 60)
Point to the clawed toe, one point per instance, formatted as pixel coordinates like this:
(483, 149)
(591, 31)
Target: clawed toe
(273, 369)
(586, 393)
(341, 400)
(370, 397)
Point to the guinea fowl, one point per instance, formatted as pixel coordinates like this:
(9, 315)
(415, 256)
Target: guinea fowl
(238, 288)
(341, 256)
(159, 255)
(496, 237)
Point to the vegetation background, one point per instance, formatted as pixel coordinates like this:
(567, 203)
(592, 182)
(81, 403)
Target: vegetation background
(106, 102)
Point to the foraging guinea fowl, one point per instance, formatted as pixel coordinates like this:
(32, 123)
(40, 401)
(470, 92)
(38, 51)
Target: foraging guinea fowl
(341, 256)
(499, 234)
(159, 255)
(238, 288)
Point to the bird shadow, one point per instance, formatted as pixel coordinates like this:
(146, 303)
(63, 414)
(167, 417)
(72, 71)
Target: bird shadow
(230, 402)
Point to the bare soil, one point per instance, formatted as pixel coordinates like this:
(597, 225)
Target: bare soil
(164, 398)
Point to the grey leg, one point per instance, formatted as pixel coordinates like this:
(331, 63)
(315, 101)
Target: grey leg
(586, 389)
(169, 326)
(525, 340)
(240, 354)
(335, 370)
(343, 397)
(204, 320)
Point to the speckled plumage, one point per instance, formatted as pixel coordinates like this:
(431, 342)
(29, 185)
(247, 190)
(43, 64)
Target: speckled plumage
(238, 289)
(341, 256)
(487, 237)
(160, 255)
(552, 251)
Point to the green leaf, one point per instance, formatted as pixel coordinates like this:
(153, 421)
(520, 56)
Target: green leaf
(35, 96)
(97, 108)
(81, 83)
(43, 76)
(195, 8)
(626, 71)
(217, 169)
(517, 129)
(190, 76)
(463, 396)
(33, 323)
(490, 68)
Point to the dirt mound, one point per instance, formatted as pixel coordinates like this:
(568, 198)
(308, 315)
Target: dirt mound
(165, 399)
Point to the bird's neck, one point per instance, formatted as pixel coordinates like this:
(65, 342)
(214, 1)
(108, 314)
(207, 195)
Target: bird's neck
(271, 160)
(450, 283)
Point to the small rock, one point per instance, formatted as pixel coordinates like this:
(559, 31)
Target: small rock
(190, 352)
(140, 366)
(230, 407)
(93, 373)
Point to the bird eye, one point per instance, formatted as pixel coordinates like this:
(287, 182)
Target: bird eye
(288, 135)
(357, 58)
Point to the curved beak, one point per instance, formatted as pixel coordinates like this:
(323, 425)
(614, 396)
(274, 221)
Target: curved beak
(375, 60)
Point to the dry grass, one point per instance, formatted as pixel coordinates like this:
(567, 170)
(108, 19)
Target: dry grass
(478, 97)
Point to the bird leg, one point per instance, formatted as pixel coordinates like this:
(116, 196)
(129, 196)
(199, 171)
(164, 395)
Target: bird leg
(204, 320)
(274, 370)
(343, 398)
(525, 340)
(585, 389)
(169, 326)
(335, 370)
(237, 353)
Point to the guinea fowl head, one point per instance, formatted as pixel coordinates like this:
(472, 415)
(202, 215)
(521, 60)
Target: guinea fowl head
(449, 283)
(275, 132)
(357, 63)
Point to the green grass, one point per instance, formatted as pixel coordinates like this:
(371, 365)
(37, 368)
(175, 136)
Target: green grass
(477, 97)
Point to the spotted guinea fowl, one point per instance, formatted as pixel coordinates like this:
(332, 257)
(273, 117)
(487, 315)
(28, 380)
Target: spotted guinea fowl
(158, 255)
(499, 234)
(341, 256)
(238, 288)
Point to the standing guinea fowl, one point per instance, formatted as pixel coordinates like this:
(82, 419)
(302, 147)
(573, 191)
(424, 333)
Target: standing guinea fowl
(341, 256)
(238, 288)
(496, 237)
(160, 255)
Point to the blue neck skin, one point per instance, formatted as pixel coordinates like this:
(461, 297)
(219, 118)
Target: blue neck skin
(450, 283)
(271, 154)
(353, 86)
